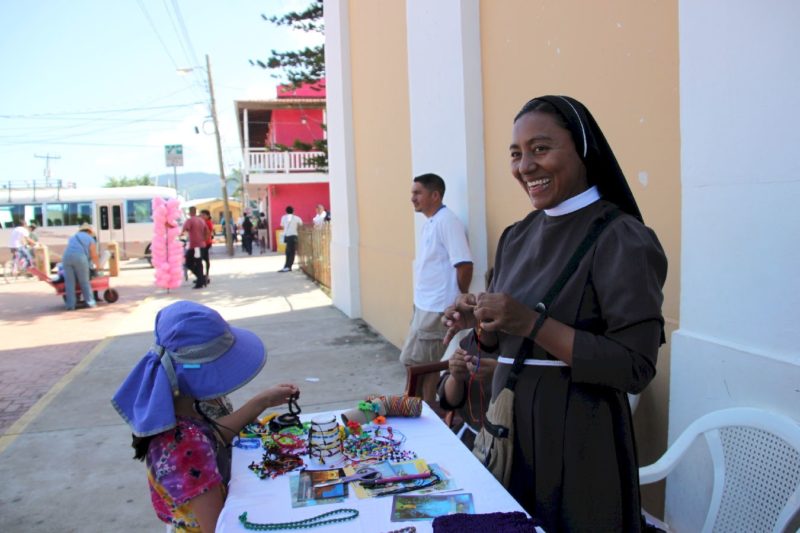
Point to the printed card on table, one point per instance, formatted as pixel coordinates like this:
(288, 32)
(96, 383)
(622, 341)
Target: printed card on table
(428, 506)
(306, 492)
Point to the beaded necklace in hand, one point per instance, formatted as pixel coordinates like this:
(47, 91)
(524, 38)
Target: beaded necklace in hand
(314, 521)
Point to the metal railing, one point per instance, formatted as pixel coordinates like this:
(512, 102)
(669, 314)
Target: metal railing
(314, 253)
(263, 161)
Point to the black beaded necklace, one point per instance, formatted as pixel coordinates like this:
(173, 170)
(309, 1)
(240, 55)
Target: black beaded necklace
(290, 419)
(314, 521)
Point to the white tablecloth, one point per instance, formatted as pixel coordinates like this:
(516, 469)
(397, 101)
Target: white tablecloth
(269, 500)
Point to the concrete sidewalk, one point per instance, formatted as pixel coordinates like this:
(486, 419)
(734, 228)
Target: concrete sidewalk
(66, 462)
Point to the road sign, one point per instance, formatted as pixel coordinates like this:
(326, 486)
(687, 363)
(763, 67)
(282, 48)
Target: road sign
(174, 155)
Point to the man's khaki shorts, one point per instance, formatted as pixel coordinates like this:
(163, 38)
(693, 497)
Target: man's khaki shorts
(423, 343)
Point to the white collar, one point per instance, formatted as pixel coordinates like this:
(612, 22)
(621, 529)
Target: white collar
(579, 201)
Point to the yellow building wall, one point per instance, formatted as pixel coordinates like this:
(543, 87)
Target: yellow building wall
(381, 129)
(621, 60)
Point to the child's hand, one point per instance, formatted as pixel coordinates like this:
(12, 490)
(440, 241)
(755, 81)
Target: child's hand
(280, 394)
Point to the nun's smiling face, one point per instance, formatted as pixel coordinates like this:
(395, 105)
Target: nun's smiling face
(544, 160)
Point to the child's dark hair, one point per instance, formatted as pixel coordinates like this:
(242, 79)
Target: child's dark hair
(140, 446)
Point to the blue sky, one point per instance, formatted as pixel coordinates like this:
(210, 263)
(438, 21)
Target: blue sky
(95, 83)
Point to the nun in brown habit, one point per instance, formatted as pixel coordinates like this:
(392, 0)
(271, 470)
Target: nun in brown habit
(575, 465)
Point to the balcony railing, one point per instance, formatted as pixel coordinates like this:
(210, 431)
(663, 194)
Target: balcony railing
(263, 161)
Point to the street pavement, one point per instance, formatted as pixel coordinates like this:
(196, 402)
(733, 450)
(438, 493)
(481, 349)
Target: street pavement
(65, 456)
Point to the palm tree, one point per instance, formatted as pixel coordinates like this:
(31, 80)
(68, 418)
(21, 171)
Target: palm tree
(236, 178)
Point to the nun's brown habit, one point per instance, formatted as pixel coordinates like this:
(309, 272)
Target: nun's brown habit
(575, 465)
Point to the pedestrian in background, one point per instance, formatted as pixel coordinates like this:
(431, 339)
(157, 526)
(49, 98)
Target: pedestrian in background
(247, 235)
(196, 230)
(290, 223)
(205, 254)
(261, 228)
(80, 253)
(321, 217)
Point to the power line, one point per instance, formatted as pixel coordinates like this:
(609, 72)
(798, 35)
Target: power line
(153, 27)
(125, 110)
(181, 23)
(175, 29)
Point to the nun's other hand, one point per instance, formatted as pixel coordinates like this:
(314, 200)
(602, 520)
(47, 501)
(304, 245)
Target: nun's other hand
(459, 316)
(500, 312)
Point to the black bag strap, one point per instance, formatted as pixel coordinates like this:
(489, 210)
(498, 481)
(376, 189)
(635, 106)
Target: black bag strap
(543, 307)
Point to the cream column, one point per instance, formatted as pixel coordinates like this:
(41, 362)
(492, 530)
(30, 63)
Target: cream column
(446, 108)
(345, 270)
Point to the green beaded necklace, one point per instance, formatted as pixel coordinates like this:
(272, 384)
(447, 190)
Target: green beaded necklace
(314, 521)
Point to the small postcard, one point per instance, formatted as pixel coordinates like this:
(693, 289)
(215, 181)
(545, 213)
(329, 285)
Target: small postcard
(306, 492)
(429, 506)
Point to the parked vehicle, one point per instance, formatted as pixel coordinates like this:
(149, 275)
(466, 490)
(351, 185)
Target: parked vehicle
(121, 214)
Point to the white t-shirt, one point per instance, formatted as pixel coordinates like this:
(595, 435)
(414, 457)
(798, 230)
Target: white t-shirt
(290, 224)
(18, 237)
(320, 218)
(443, 244)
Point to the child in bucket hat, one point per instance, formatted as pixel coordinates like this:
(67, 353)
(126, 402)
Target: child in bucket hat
(196, 357)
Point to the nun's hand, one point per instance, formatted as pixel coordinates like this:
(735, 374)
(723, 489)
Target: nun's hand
(459, 316)
(500, 312)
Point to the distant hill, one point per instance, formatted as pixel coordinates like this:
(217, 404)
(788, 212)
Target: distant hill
(194, 184)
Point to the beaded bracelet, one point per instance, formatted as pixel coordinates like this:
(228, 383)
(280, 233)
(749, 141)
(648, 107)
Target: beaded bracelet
(248, 443)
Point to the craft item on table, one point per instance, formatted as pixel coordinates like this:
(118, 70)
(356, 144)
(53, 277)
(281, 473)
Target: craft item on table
(397, 478)
(380, 444)
(325, 446)
(425, 507)
(247, 443)
(290, 419)
(385, 406)
(419, 485)
(353, 428)
(364, 474)
(516, 521)
(314, 521)
(409, 529)
(275, 463)
(287, 443)
(312, 487)
(419, 465)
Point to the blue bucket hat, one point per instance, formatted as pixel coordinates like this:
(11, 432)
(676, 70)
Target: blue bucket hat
(196, 354)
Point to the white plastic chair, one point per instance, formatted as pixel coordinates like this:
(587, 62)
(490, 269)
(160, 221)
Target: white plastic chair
(756, 464)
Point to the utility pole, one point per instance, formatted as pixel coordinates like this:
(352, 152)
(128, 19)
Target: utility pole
(47, 159)
(225, 207)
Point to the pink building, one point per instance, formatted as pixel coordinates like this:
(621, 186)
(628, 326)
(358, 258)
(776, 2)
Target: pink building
(276, 172)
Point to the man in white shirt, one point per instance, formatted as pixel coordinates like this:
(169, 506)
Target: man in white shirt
(321, 217)
(290, 223)
(442, 271)
(20, 240)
